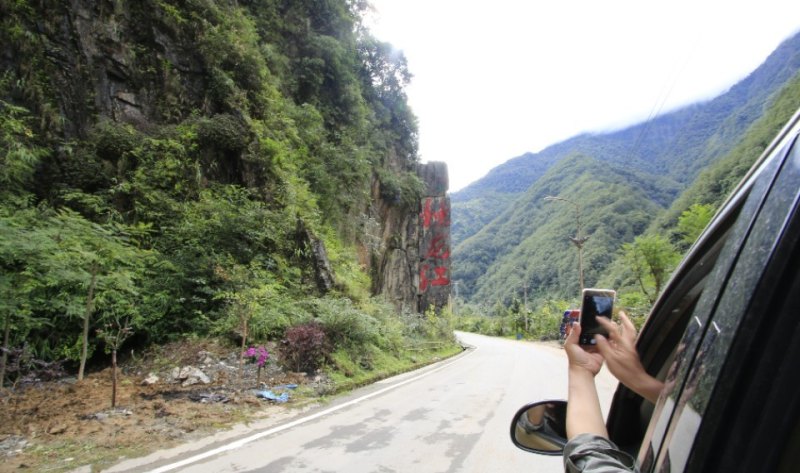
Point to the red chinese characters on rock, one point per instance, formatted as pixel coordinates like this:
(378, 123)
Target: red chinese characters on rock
(434, 269)
(439, 217)
(439, 277)
(438, 248)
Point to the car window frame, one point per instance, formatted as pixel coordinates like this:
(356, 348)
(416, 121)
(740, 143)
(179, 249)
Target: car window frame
(734, 212)
(743, 377)
(684, 424)
(665, 328)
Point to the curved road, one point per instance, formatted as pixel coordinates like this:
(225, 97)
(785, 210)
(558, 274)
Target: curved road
(450, 417)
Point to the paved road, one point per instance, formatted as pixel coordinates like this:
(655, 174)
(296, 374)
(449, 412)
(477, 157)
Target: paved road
(449, 417)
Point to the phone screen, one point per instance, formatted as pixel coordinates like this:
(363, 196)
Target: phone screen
(596, 303)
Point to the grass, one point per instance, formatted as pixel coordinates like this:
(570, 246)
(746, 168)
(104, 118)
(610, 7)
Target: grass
(351, 370)
(69, 454)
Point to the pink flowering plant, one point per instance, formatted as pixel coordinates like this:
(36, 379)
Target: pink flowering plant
(258, 355)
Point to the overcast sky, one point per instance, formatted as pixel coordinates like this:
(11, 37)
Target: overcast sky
(494, 79)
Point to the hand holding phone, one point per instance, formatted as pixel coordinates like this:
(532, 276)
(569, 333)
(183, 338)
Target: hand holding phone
(595, 303)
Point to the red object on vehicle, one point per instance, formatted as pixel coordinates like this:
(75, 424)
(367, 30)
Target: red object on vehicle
(570, 316)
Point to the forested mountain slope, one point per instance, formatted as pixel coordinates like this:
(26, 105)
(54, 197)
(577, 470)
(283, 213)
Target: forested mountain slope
(714, 183)
(717, 180)
(527, 244)
(675, 145)
(198, 168)
(525, 249)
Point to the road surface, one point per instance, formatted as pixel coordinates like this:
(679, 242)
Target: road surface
(450, 417)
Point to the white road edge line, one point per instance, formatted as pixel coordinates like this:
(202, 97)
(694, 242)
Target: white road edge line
(254, 437)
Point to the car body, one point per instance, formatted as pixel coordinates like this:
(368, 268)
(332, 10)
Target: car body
(724, 336)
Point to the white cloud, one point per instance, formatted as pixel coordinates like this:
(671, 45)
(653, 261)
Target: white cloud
(493, 80)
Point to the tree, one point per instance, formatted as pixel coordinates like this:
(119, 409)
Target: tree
(114, 335)
(95, 267)
(518, 315)
(693, 221)
(19, 242)
(650, 258)
(18, 153)
(22, 246)
(245, 291)
(547, 319)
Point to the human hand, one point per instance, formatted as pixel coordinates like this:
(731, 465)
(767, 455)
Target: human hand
(584, 415)
(619, 351)
(582, 357)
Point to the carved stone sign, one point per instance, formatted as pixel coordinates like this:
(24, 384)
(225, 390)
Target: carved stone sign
(433, 281)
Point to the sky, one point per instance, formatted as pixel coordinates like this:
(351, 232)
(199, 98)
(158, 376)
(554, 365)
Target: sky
(494, 79)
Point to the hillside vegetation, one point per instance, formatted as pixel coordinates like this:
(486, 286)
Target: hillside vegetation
(674, 146)
(200, 168)
(640, 216)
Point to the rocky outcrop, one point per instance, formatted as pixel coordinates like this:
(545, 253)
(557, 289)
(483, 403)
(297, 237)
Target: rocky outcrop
(412, 245)
(433, 283)
(127, 63)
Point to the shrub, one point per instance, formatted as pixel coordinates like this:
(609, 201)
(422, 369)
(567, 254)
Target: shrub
(24, 367)
(223, 132)
(345, 324)
(391, 325)
(113, 141)
(403, 189)
(438, 326)
(304, 347)
(272, 319)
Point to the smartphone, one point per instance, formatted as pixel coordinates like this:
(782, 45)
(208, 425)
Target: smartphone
(595, 303)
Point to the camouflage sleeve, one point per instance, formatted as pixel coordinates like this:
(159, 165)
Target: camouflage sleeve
(594, 454)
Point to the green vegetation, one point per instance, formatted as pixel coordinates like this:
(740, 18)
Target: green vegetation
(675, 146)
(650, 259)
(528, 245)
(715, 182)
(426, 337)
(636, 238)
(516, 320)
(170, 170)
(178, 186)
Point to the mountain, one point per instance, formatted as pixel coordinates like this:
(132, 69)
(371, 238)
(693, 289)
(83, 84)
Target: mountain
(527, 243)
(715, 182)
(507, 240)
(675, 145)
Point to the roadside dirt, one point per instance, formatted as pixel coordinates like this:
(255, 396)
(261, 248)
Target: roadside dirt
(59, 426)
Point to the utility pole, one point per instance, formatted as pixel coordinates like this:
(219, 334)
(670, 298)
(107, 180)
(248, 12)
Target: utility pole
(525, 302)
(455, 297)
(577, 240)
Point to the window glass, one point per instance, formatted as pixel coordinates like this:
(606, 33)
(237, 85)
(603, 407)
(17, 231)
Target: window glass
(727, 308)
(665, 328)
(666, 351)
(791, 454)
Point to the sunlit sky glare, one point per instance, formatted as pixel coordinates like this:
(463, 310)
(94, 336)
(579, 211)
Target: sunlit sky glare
(494, 79)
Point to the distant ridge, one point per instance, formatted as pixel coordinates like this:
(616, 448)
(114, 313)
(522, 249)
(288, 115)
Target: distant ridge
(506, 237)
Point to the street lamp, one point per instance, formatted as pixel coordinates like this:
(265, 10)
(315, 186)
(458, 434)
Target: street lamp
(577, 240)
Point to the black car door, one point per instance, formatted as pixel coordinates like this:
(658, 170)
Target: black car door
(704, 322)
(741, 381)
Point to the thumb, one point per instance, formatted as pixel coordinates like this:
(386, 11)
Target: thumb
(602, 345)
(574, 333)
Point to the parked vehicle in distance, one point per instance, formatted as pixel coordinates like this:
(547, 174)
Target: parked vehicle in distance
(724, 336)
(570, 316)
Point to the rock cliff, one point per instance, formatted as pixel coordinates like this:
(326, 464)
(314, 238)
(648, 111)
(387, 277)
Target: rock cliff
(149, 65)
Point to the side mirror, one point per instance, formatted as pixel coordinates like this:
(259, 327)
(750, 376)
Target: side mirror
(541, 427)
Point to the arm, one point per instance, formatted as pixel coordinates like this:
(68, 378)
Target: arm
(583, 409)
(619, 351)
